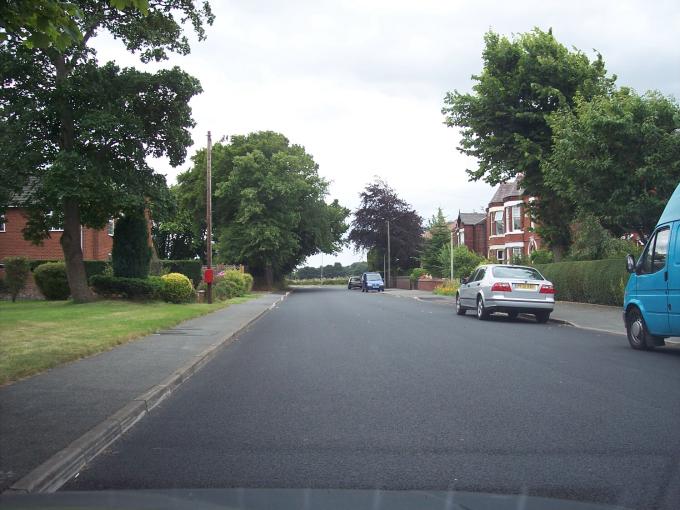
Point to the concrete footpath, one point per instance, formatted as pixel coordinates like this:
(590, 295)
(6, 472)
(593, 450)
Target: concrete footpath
(53, 423)
(606, 319)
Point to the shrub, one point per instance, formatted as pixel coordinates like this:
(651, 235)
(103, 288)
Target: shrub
(36, 263)
(156, 283)
(131, 252)
(226, 289)
(177, 288)
(249, 281)
(119, 286)
(417, 273)
(189, 268)
(16, 274)
(464, 261)
(3, 286)
(51, 280)
(589, 281)
(541, 257)
(239, 281)
(448, 288)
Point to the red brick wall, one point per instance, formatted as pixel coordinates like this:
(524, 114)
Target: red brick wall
(97, 244)
(429, 284)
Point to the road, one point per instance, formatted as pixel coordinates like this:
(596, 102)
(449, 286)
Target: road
(340, 389)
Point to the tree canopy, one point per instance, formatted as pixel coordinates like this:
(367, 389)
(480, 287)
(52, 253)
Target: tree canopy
(439, 236)
(504, 120)
(269, 208)
(380, 204)
(617, 157)
(79, 134)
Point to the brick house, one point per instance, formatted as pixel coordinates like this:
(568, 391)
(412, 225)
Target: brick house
(469, 229)
(96, 244)
(509, 225)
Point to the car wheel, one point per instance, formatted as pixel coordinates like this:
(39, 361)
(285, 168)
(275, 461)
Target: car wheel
(542, 316)
(637, 332)
(482, 312)
(460, 309)
(513, 315)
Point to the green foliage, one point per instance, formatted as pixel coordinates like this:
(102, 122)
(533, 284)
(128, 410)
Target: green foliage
(618, 157)
(448, 288)
(440, 235)
(230, 284)
(319, 281)
(269, 208)
(520, 260)
(192, 269)
(504, 120)
(128, 288)
(594, 242)
(3, 286)
(131, 253)
(35, 263)
(464, 261)
(416, 273)
(16, 274)
(157, 285)
(380, 204)
(248, 279)
(541, 257)
(176, 233)
(177, 288)
(331, 271)
(52, 281)
(594, 281)
(92, 267)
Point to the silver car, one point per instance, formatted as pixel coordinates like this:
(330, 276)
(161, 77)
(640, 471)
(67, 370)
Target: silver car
(503, 288)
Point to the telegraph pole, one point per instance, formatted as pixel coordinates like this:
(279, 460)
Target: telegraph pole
(208, 213)
(451, 273)
(389, 258)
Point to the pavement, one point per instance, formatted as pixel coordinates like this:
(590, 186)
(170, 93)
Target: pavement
(52, 418)
(337, 389)
(582, 315)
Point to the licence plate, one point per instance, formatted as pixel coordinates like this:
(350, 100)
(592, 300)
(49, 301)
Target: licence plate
(526, 286)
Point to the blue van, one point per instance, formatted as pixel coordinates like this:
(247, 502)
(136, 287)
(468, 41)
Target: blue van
(651, 303)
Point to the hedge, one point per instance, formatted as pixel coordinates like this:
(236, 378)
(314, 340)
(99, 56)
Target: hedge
(588, 281)
(51, 280)
(189, 268)
(92, 267)
(177, 288)
(130, 288)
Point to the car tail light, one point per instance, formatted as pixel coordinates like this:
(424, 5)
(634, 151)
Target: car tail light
(547, 289)
(501, 287)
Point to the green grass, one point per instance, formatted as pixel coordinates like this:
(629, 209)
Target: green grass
(38, 335)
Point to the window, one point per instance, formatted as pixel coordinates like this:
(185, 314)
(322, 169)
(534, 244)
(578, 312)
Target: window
(522, 273)
(500, 255)
(110, 227)
(498, 227)
(654, 257)
(461, 237)
(516, 253)
(480, 274)
(2, 223)
(516, 218)
(56, 223)
(473, 276)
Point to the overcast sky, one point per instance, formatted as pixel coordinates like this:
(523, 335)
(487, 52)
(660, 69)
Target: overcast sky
(360, 84)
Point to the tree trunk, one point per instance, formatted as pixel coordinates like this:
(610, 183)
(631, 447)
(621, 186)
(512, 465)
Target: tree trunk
(73, 254)
(70, 239)
(269, 276)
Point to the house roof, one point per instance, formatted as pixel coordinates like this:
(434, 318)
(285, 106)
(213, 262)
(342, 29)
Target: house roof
(471, 218)
(505, 190)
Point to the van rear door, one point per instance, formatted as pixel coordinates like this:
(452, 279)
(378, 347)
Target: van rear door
(652, 282)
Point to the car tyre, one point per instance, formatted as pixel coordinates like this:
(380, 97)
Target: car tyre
(638, 335)
(482, 312)
(460, 309)
(512, 315)
(542, 316)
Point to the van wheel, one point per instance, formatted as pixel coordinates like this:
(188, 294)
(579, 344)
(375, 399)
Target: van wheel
(637, 332)
(460, 309)
(482, 312)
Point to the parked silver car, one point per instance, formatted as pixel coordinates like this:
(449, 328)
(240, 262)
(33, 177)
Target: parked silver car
(503, 288)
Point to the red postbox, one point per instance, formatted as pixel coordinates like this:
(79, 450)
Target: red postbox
(208, 275)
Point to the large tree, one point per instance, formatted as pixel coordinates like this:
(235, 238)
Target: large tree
(438, 236)
(617, 157)
(79, 134)
(504, 120)
(269, 210)
(380, 204)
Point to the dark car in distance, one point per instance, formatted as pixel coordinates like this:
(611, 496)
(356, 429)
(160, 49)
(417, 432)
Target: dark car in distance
(354, 282)
(372, 281)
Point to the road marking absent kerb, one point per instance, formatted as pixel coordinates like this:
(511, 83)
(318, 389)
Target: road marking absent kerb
(67, 463)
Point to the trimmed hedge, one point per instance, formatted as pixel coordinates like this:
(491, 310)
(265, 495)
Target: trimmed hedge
(120, 286)
(92, 267)
(177, 288)
(52, 281)
(588, 281)
(189, 268)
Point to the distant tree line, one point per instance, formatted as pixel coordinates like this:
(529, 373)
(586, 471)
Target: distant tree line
(330, 271)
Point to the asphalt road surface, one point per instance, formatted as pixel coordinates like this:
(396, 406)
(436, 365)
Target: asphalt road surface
(340, 389)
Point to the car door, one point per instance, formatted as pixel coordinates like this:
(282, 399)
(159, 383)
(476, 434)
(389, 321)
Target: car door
(674, 281)
(652, 282)
(475, 287)
(465, 290)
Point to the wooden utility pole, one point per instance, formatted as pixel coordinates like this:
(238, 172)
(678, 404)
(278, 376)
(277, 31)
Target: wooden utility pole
(451, 273)
(208, 212)
(389, 258)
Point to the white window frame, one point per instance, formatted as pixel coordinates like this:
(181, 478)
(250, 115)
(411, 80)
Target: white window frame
(461, 237)
(111, 227)
(496, 222)
(502, 257)
(516, 249)
(517, 208)
(49, 215)
(3, 222)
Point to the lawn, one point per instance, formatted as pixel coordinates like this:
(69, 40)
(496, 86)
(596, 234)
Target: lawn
(37, 335)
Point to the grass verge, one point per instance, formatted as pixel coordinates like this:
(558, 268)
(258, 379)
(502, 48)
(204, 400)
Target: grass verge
(38, 335)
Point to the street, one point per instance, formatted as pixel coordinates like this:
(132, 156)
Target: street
(340, 389)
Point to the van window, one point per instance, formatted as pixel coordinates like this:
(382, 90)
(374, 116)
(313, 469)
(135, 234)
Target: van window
(654, 257)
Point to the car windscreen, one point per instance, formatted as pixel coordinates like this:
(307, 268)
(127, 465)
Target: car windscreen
(522, 273)
(373, 277)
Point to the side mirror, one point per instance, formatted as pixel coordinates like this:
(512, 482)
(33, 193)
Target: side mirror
(463, 281)
(630, 263)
